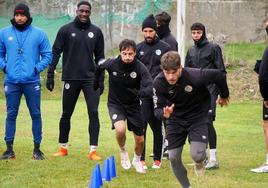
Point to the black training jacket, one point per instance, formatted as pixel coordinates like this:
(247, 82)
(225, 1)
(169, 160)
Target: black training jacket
(82, 49)
(150, 53)
(190, 94)
(170, 39)
(127, 82)
(263, 75)
(205, 55)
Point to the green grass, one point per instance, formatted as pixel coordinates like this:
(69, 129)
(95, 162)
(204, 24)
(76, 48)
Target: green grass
(247, 52)
(240, 147)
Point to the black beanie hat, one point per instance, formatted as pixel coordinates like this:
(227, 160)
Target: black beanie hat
(149, 22)
(22, 9)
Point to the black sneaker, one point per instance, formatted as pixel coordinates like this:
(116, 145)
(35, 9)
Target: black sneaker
(38, 155)
(8, 154)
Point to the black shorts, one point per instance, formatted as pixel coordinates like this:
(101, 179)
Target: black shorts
(264, 113)
(131, 113)
(177, 132)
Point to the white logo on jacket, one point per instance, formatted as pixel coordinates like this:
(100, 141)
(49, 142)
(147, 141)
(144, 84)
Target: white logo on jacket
(90, 35)
(141, 52)
(115, 73)
(73, 34)
(67, 86)
(158, 52)
(37, 88)
(10, 38)
(133, 75)
(188, 88)
(114, 117)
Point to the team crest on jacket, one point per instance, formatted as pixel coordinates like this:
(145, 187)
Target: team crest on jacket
(90, 35)
(10, 38)
(158, 52)
(141, 52)
(115, 73)
(133, 75)
(114, 116)
(188, 88)
(73, 34)
(67, 86)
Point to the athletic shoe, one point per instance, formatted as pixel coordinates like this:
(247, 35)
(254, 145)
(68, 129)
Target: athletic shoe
(125, 162)
(144, 165)
(8, 155)
(212, 165)
(199, 169)
(262, 169)
(93, 156)
(38, 155)
(62, 152)
(138, 166)
(156, 164)
(165, 154)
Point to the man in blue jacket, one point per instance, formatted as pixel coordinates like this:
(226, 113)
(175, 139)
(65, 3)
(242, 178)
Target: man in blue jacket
(24, 53)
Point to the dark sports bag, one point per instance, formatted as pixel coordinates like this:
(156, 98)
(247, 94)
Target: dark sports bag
(257, 66)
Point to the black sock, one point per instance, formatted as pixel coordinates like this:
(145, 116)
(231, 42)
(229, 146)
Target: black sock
(36, 147)
(9, 145)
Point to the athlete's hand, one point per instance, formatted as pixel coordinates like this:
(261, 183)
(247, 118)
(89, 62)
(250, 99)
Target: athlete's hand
(50, 83)
(223, 101)
(167, 111)
(265, 103)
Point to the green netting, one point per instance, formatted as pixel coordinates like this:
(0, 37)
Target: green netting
(118, 19)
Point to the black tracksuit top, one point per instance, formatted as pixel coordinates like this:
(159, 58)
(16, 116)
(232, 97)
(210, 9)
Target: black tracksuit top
(127, 82)
(205, 55)
(190, 94)
(150, 55)
(82, 49)
(263, 75)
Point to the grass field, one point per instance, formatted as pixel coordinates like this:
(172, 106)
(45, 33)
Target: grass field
(240, 148)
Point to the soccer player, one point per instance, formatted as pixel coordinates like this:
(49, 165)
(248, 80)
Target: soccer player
(263, 82)
(163, 31)
(24, 53)
(181, 99)
(82, 45)
(206, 55)
(149, 53)
(128, 81)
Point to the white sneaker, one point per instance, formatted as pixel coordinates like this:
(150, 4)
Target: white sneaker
(261, 169)
(125, 162)
(212, 165)
(199, 169)
(138, 166)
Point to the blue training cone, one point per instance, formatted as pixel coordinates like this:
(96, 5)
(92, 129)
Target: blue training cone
(99, 174)
(105, 173)
(95, 178)
(112, 167)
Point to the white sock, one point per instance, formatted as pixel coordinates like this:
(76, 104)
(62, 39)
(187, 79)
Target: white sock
(92, 148)
(266, 158)
(137, 157)
(64, 145)
(212, 155)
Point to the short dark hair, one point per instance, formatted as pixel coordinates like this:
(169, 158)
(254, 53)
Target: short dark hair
(170, 61)
(198, 26)
(84, 3)
(163, 18)
(127, 43)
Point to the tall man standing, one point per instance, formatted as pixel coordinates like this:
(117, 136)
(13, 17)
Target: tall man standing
(82, 45)
(181, 99)
(207, 55)
(149, 53)
(24, 53)
(263, 82)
